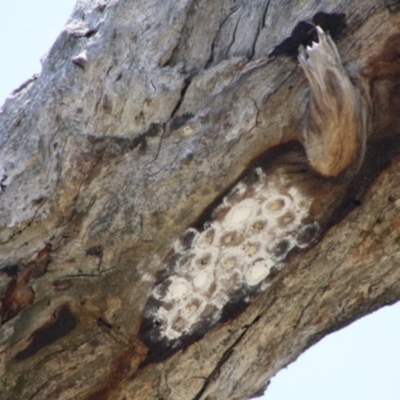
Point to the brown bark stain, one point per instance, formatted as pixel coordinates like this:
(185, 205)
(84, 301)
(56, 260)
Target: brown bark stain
(384, 72)
(387, 63)
(123, 369)
(63, 322)
(19, 294)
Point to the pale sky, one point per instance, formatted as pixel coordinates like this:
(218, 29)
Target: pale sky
(358, 362)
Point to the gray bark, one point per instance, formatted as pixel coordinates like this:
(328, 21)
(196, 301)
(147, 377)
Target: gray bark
(144, 116)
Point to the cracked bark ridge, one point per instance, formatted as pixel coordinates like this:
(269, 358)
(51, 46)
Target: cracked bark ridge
(141, 120)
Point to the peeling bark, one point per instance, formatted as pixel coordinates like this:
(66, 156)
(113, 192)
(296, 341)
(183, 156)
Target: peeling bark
(139, 126)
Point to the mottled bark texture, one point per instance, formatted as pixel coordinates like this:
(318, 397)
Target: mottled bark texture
(145, 115)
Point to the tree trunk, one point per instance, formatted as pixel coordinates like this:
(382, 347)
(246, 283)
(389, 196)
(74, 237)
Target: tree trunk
(163, 234)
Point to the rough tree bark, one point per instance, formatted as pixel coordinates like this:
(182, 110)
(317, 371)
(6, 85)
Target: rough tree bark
(145, 115)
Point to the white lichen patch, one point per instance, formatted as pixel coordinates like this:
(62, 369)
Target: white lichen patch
(249, 235)
(258, 271)
(178, 289)
(238, 216)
